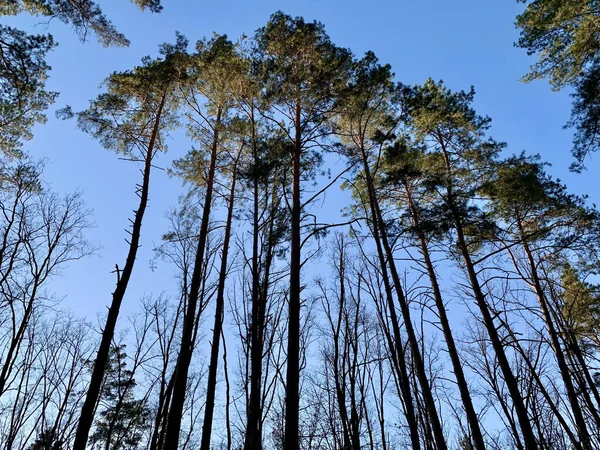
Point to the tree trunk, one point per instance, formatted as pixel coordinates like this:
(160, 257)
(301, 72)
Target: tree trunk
(588, 382)
(253, 438)
(476, 435)
(158, 432)
(386, 254)
(566, 376)
(171, 440)
(211, 386)
(338, 378)
(395, 344)
(549, 400)
(488, 321)
(292, 396)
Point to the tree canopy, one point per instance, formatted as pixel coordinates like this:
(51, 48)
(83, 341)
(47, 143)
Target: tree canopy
(349, 259)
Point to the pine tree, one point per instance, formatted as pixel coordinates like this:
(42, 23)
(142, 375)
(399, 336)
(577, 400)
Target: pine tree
(23, 97)
(47, 441)
(458, 158)
(366, 122)
(123, 419)
(23, 67)
(303, 72)
(83, 15)
(131, 118)
(540, 214)
(208, 95)
(403, 173)
(261, 173)
(564, 37)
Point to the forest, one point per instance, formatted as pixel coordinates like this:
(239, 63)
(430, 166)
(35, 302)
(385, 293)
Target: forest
(351, 261)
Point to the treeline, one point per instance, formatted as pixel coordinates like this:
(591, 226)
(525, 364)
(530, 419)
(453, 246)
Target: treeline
(458, 308)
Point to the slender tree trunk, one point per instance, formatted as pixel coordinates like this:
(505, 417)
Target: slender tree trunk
(253, 438)
(476, 435)
(386, 254)
(422, 416)
(493, 374)
(433, 416)
(354, 424)
(159, 413)
(509, 377)
(7, 364)
(171, 440)
(292, 396)
(395, 344)
(227, 394)
(338, 378)
(588, 382)
(566, 376)
(89, 406)
(163, 416)
(163, 402)
(260, 296)
(549, 400)
(379, 396)
(211, 386)
(17, 339)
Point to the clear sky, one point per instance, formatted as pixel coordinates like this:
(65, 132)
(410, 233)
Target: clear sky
(463, 42)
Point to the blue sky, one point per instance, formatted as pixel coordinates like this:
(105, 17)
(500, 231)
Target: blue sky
(463, 42)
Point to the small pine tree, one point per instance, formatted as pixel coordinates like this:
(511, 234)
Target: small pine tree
(48, 440)
(123, 419)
